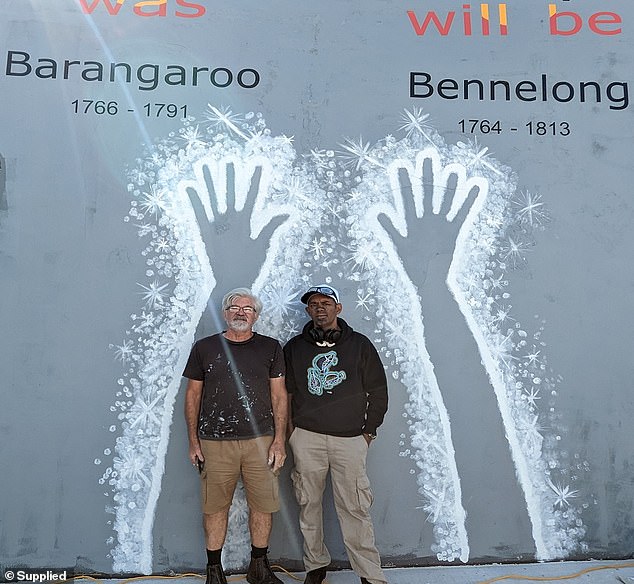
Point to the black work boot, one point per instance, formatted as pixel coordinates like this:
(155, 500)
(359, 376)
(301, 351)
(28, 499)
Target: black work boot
(215, 575)
(364, 580)
(260, 572)
(315, 576)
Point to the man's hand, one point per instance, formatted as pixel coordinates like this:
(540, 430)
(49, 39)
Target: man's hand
(277, 455)
(195, 453)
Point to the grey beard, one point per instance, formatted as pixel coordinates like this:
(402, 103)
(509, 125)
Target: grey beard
(239, 326)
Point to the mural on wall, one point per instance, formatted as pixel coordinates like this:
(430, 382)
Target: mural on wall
(436, 217)
(428, 232)
(236, 186)
(479, 242)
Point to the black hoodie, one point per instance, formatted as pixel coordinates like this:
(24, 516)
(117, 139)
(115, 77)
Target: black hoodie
(339, 389)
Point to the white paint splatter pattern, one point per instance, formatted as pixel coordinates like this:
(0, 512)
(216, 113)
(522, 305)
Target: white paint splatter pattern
(331, 200)
(180, 280)
(494, 239)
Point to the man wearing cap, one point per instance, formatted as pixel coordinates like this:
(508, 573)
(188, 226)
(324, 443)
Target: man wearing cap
(236, 412)
(338, 397)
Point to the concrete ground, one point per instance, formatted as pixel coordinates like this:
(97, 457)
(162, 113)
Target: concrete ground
(590, 572)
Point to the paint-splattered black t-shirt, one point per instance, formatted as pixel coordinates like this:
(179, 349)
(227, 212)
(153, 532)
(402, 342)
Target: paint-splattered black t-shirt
(236, 400)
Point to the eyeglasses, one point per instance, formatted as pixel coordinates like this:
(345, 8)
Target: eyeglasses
(246, 309)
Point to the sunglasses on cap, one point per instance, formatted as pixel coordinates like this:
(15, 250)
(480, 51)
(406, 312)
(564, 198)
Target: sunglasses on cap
(321, 289)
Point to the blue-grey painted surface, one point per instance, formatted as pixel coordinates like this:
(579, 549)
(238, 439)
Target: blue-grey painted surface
(489, 262)
(584, 572)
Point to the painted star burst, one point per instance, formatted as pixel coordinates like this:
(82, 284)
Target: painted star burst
(153, 294)
(155, 201)
(281, 300)
(514, 252)
(358, 153)
(563, 493)
(124, 351)
(530, 209)
(192, 136)
(415, 122)
(476, 156)
(224, 118)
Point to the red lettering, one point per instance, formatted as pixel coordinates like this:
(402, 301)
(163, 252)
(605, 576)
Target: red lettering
(444, 28)
(611, 18)
(199, 9)
(161, 4)
(466, 17)
(146, 8)
(420, 29)
(556, 16)
(596, 22)
(113, 9)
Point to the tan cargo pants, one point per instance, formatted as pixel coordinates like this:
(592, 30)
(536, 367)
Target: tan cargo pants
(316, 454)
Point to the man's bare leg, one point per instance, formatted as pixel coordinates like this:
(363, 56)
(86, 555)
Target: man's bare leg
(215, 525)
(260, 525)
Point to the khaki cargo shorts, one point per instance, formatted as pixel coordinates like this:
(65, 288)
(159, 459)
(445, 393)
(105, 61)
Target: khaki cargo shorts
(228, 460)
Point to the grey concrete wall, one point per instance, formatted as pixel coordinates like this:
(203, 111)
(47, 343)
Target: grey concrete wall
(489, 261)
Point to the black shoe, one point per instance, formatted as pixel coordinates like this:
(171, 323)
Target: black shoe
(315, 576)
(260, 572)
(365, 581)
(215, 575)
